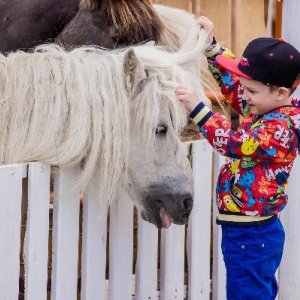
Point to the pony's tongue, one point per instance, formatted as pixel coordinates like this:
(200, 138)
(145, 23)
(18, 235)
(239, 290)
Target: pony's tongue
(165, 218)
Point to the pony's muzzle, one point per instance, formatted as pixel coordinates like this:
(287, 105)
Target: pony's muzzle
(164, 209)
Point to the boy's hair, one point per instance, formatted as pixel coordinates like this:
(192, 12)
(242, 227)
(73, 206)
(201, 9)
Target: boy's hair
(268, 60)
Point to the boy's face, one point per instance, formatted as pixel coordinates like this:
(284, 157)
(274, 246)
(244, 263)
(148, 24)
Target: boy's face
(260, 97)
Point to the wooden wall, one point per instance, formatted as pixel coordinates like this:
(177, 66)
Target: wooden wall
(236, 21)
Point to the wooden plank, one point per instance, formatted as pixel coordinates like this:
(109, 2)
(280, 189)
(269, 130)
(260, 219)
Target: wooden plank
(220, 13)
(120, 248)
(196, 7)
(289, 272)
(66, 204)
(248, 23)
(172, 263)
(215, 10)
(146, 265)
(290, 22)
(10, 229)
(278, 18)
(199, 228)
(182, 4)
(37, 231)
(219, 272)
(93, 246)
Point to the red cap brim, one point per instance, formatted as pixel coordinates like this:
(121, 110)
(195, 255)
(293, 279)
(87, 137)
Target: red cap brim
(230, 65)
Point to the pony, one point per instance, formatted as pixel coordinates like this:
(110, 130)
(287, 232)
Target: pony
(106, 23)
(114, 113)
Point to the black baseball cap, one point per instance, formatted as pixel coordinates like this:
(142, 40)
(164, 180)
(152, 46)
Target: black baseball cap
(268, 60)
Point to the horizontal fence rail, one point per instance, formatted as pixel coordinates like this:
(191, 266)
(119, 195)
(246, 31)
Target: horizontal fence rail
(70, 250)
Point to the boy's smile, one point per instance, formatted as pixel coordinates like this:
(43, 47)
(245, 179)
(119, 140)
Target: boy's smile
(262, 98)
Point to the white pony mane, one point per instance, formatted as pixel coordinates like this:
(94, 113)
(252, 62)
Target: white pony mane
(66, 108)
(177, 23)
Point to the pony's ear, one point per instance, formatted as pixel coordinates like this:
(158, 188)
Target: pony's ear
(133, 69)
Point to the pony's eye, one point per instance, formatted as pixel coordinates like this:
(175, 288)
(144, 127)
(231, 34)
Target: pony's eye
(161, 130)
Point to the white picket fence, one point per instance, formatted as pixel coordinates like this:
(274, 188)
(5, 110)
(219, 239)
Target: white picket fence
(157, 273)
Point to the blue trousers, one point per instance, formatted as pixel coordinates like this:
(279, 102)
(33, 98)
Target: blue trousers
(252, 256)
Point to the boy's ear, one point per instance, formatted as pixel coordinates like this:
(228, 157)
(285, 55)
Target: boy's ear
(283, 93)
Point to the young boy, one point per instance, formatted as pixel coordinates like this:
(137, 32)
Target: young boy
(251, 185)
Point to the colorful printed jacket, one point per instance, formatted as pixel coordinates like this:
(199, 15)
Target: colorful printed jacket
(260, 154)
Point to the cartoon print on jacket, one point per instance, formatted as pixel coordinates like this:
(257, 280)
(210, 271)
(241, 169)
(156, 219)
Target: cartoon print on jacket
(246, 181)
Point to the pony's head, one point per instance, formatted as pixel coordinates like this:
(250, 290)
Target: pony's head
(121, 23)
(112, 24)
(160, 177)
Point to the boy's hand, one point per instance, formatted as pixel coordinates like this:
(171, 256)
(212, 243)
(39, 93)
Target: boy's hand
(208, 26)
(188, 96)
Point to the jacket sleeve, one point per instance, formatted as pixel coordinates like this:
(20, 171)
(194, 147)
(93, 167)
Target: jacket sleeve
(229, 83)
(270, 138)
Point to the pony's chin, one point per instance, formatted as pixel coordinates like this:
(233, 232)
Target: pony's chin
(161, 219)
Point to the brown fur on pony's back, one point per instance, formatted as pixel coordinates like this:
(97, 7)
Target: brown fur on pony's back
(137, 20)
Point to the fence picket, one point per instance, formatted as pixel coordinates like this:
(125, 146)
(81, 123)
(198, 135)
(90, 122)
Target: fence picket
(219, 273)
(289, 271)
(172, 262)
(65, 236)
(121, 249)
(146, 265)
(37, 230)
(10, 227)
(199, 227)
(93, 247)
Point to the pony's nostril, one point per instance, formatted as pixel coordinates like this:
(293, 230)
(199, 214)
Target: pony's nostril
(187, 204)
(158, 202)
